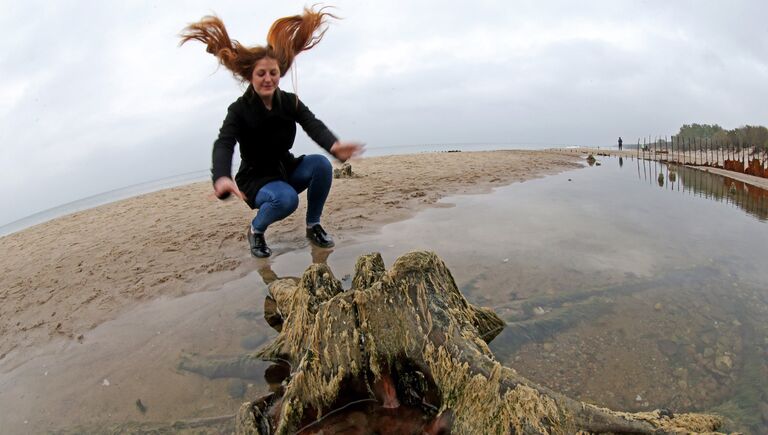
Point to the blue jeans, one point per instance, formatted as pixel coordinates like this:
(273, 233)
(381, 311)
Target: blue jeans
(276, 200)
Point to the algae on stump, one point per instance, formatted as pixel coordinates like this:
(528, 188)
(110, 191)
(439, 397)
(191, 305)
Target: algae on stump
(407, 336)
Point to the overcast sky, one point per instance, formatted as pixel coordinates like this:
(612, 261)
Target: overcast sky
(97, 95)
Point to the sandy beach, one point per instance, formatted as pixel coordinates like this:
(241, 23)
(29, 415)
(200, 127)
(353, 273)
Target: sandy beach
(64, 277)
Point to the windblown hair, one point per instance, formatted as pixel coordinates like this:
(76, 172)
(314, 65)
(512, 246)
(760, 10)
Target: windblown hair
(287, 37)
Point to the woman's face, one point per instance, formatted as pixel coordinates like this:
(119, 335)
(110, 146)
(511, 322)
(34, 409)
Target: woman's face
(266, 76)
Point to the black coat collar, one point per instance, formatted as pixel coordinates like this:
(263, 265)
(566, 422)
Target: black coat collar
(255, 101)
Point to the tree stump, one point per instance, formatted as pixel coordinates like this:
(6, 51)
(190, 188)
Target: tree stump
(344, 172)
(406, 339)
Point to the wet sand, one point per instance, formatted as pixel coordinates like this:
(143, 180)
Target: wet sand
(62, 278)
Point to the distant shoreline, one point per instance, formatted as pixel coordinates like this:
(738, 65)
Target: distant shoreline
(203, 174)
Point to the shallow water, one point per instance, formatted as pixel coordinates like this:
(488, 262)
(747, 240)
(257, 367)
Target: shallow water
(619, 288)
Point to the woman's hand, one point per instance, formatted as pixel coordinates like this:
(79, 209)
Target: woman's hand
(224, 186)
(346, 150)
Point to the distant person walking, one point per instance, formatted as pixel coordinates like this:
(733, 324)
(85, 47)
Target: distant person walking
(620, 143)
(263, 121)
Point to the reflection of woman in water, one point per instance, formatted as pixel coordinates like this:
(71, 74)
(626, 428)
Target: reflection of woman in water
(263, 121)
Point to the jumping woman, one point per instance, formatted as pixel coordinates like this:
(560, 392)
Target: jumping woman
(263, 121)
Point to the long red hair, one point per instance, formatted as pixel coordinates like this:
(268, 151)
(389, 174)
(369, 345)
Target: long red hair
(287, 37)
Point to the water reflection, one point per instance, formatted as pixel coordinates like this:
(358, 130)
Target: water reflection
(751, 199)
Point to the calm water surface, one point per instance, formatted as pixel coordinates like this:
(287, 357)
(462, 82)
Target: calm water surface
(620, 287)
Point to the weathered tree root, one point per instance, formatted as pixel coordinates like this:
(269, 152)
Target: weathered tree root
(411, 328)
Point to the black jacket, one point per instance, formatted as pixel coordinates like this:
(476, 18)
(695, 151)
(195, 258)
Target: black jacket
(265, 138)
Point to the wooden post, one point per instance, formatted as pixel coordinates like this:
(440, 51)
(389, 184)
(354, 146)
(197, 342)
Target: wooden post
(699, 158)
(672, 144)
(706, 149)
(695, 157)
(690, 148)
(697, 153)
(728, 150)
(720, 153)
(744, 157)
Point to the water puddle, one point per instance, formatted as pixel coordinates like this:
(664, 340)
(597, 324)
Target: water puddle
(620, 287)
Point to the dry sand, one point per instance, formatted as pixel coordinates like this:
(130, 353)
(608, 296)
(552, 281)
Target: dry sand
(66, 276)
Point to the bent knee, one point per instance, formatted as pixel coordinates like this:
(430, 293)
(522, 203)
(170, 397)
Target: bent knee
(288, 203)
(319, 163)
(282, 203)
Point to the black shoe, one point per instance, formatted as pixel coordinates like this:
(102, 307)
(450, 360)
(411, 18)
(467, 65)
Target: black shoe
(319, 237)
(259, 246)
